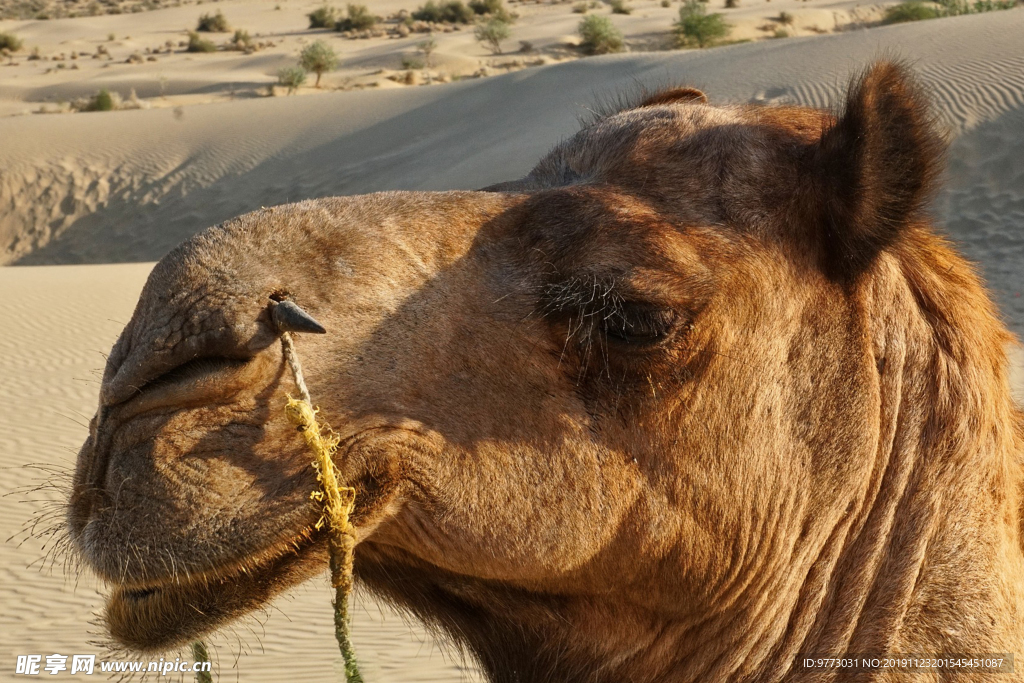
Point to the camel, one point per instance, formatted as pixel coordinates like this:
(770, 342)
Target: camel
(701, 395)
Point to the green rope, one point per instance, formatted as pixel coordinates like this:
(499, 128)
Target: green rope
(338, 502)
(201, 655)
(341, 626)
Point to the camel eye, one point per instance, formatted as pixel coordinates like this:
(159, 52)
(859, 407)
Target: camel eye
(638, 324)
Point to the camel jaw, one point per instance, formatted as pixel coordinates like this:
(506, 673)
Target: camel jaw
(156, 617)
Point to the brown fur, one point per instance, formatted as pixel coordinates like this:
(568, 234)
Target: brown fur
(702, 392)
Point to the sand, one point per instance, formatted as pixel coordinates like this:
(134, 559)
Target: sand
(73, 64)
(129, 185)
(117, 190)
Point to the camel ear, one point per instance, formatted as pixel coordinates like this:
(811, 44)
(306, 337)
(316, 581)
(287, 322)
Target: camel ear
(873, 169)
(676, 95)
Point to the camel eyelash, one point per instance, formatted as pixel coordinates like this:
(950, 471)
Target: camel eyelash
(597, 305)
(639, 324)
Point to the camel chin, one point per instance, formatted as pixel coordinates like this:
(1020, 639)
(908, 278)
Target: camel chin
(161, 616)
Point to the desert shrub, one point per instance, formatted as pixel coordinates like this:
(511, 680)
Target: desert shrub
(485, 6)
(780, 33)
(241, 40)
(599, 35)
(197, 43)
(697, 27)
(492, 32)
(319, 58)
(452, 11)
(620, 7)
(428, 12)
(358, 19)
(409, 62)
(427, 47)
(101, 101)
(291, 77)
(785, 18)
(953, 8)
(580, 8)
(909, 11)
(9, 41)
(213, 23)
(992, 5)
(666, 3)
(525, 46)
(732, 4)
(323, 17)
(494, 8)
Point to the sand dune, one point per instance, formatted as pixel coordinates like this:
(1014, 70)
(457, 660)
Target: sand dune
(280, 28)
(127, 186)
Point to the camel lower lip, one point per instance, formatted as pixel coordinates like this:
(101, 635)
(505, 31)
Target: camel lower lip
(151, 618)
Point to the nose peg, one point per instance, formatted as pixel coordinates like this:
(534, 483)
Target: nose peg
(288, 317)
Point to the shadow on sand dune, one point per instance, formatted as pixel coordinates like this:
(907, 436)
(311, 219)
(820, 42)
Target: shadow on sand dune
(142, 181)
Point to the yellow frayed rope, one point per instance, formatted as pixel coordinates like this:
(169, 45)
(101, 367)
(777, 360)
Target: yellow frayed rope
(338, 502)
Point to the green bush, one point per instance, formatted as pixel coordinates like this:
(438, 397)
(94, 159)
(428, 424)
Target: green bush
(452, 11)
(196, 43)
(428, 12)
(494, 8)
(697, 27)
(909, 11)
(241, 38)
(492, 33)
(213, 23)
(358, 19)
(319, 58)
(291, 77)
(101, 101)
(953, 8)
(599, 35)
(9, 41)
(992, 5)
(620, 7)
(323, 17)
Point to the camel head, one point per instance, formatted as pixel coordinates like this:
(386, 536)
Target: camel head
(670, 405)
